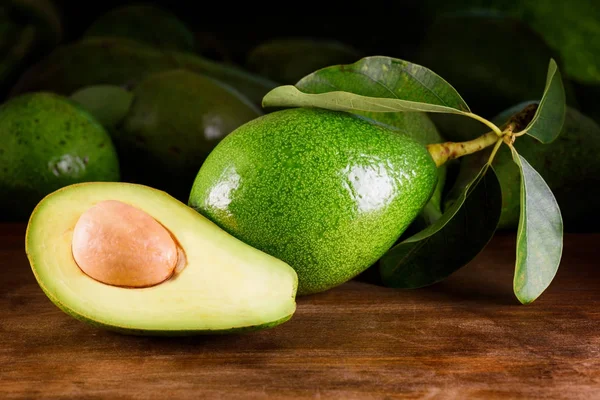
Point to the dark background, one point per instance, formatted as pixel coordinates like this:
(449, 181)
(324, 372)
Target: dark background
(377, 28)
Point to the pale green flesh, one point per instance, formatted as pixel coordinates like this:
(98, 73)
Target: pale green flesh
(226, 284)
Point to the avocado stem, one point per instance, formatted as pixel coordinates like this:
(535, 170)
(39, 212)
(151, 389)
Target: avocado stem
(443, 152)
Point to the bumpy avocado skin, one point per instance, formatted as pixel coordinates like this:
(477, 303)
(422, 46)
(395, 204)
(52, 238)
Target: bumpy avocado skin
(48, 142)
(120, 61)
(570, 166)
(420, 127)
(327, 192)
(145, 23)
(177, 117)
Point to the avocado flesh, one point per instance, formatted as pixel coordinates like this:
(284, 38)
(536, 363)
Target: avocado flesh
(120, 61)
(177, 117)
(327, 192)
(226, 286)
(146, 23)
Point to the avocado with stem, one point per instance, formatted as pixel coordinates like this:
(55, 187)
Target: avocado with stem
(47, 142)
(132, 259)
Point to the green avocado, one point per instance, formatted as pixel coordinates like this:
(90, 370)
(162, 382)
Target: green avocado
(120, 61)
(220, 285)
(176, 118)
(47, 142)
(327, 192)
(287, 60)
(146, 23)
(420, 127)
(570, 166)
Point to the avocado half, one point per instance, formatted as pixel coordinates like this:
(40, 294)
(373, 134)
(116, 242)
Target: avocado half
(224, 285)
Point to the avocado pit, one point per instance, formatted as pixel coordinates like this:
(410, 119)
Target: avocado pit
(121, 245)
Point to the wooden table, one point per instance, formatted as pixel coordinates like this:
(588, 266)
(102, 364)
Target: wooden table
(466, 337)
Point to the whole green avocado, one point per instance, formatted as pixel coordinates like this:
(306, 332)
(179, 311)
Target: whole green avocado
(328, 192)
(48, 142)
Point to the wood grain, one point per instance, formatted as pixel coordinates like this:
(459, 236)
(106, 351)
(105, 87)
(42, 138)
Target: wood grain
(466, 337)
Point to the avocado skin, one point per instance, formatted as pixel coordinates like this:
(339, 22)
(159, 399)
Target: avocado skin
(176, 119)
(420, 127)
(570, 166)
(48, 142)
(327, 192)
(146, 23)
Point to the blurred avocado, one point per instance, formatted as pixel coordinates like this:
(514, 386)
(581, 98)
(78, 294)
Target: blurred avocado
(48, 142)
(125, 62)
(29, 29)
(44, 15)
(588, 96)
(494, 61)
(287, 60)
(144, 22)
(175, 119)
(570, 28)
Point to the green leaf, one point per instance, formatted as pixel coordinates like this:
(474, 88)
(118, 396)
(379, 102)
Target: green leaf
(549, 116)
(109, 104)
(463, 230)
(539, 236)
(376, 84)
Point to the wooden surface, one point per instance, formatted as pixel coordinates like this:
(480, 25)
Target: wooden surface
(464, 338)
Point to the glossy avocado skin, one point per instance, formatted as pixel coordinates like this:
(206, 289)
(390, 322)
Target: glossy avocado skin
(327, 192)
(420, 127)
(47, 142)
(177, 117)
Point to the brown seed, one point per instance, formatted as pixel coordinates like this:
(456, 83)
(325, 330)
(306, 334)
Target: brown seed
(121, 245)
